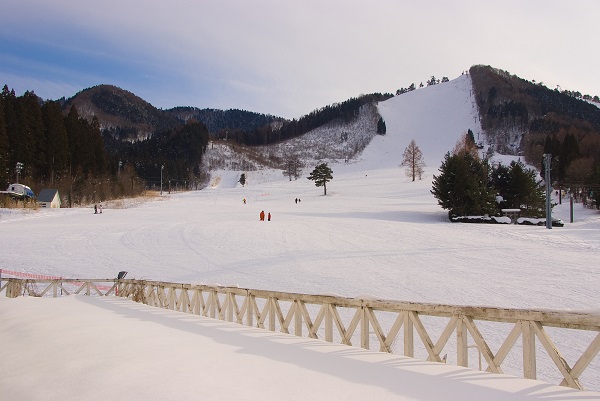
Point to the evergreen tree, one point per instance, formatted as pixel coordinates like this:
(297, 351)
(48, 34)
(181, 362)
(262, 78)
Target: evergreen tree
(96, 147)
(462, 186)
(32, 134)
(76, 136)
(569, 151)
(4, 166)
(321, 175)
(13, 130)
(471, 135)
(243, 179)
(519, 189)
(57, 143)
(381, 129)
(413, 161)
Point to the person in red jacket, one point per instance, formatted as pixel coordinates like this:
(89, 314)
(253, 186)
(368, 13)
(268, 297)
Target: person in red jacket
(262, 215)
(269, 216)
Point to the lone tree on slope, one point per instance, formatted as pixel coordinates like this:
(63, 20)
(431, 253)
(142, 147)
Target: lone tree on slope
(413, 161)
(292, 166)
(321, 175)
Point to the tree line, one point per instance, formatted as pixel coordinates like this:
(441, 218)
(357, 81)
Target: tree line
(345, 111)
(51, 149)
(44, 146)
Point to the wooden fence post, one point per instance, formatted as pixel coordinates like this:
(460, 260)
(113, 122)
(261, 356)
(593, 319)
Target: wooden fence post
(529, 365)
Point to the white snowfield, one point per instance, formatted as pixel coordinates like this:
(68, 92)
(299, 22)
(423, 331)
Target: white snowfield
(375, 233)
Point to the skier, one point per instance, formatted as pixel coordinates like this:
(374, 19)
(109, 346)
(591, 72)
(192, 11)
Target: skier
(269, 216)
(262, 215)
(100, 208)
(296, 201)
(95, 209)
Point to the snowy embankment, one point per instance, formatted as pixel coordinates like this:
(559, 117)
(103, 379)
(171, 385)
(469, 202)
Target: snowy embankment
(376, 233)
(80, 347)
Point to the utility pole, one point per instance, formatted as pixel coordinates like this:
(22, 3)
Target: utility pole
(161, 177)
(547, 162)
(18, 169)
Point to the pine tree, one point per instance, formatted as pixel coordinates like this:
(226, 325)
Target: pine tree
(4, 166)
(76, 139)
(462, 186)
(57, 143)
(525, 192)
(519, 189)
(33, 133)
(243, 179)
(321, 175)
(381, 128)
(413, 161)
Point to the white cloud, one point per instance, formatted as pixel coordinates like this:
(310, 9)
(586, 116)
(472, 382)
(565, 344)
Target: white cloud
(291, 57)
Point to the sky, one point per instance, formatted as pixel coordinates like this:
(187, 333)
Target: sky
(376, 234)
(288, 58)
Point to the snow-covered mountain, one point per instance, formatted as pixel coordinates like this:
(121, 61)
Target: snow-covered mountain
(435, 117)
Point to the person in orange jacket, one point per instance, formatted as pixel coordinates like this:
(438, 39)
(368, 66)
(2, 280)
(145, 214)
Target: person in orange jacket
(262, 215)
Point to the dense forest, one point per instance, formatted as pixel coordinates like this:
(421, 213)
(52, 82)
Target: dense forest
(343, 112)
(44, 146)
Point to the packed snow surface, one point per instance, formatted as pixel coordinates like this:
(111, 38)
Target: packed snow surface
(375, 234)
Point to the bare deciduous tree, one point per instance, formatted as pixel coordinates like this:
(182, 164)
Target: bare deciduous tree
(413, 161)
(292, 166)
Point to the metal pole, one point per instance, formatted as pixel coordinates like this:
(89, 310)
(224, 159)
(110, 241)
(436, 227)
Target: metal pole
(161, 177)
(571, 206)
(547, 160)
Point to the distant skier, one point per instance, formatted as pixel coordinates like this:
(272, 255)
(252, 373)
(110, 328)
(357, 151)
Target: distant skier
(296, 201)
(100, 208)
(269, 216)
(95, 209)
(244, 201)
(262, 215)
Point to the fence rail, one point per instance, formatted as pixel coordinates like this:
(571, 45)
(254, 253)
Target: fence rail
(361, 322)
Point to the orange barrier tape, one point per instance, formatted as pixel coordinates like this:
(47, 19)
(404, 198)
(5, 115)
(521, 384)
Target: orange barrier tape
(45, 277)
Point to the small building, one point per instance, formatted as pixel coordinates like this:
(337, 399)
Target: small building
(49, 198)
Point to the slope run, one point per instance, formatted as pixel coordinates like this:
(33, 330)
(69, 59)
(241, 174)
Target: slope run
(435, 117)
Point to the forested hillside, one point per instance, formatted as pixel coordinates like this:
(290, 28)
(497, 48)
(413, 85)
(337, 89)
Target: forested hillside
(106, 142)
(44, 146)
(51, 150)
(527, 118)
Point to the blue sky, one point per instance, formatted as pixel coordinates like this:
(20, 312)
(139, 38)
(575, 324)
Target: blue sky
(288, 58)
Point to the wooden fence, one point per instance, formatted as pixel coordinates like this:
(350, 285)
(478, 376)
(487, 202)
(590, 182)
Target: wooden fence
(392, 326)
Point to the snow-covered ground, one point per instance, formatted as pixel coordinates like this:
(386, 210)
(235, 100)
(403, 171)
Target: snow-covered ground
(375, 232)
(94, 349)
